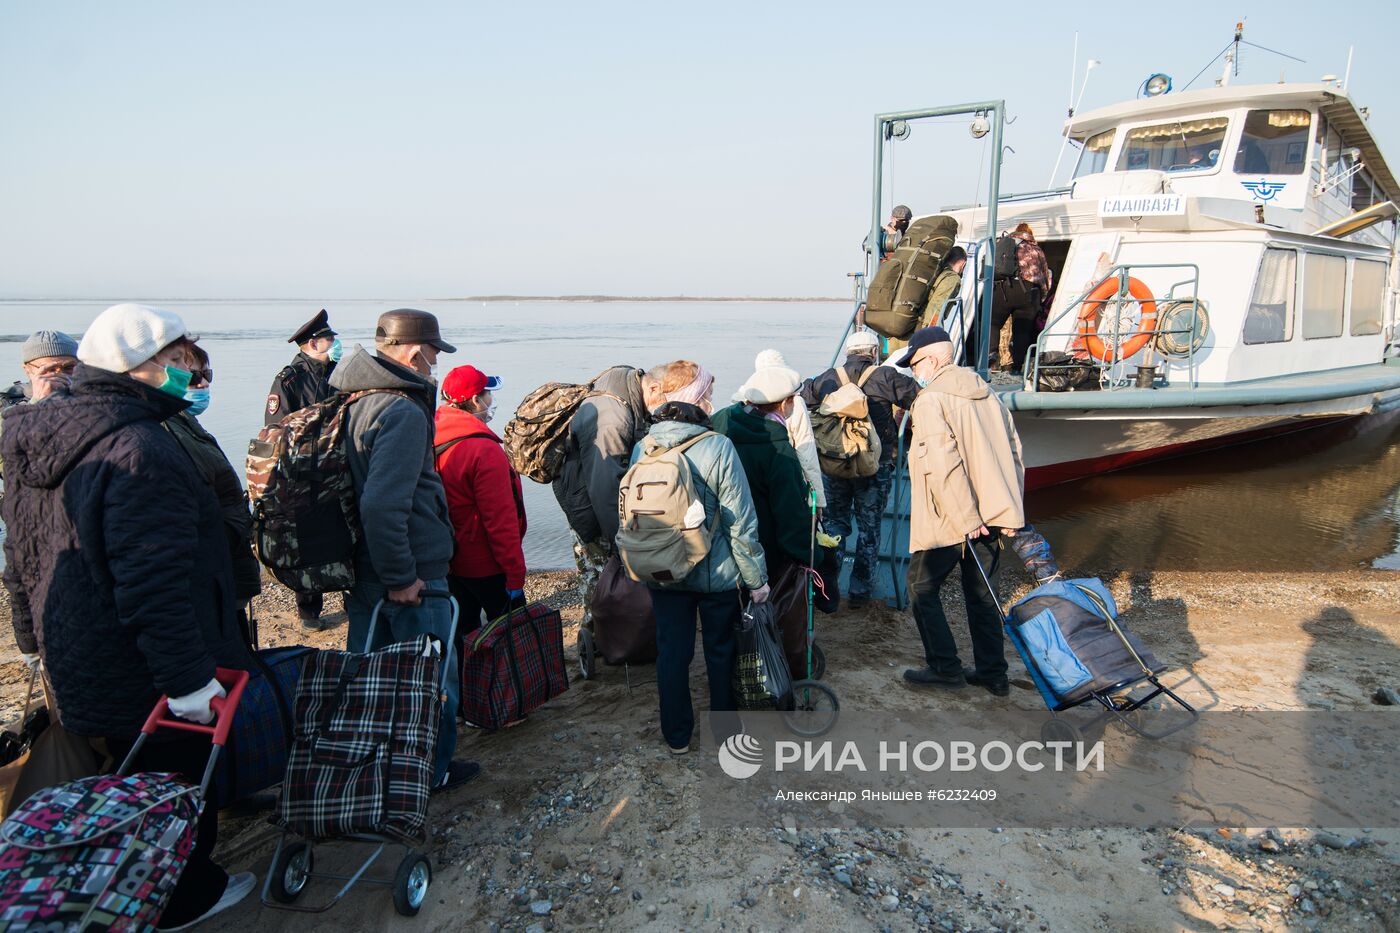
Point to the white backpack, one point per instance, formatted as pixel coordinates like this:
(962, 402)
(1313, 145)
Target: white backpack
(662, 533)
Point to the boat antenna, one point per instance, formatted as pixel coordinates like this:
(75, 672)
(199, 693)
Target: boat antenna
(1232, 53)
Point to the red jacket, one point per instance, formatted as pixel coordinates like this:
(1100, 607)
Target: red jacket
(484, 499)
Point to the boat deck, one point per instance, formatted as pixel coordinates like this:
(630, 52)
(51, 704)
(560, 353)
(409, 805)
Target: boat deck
(1377, 379)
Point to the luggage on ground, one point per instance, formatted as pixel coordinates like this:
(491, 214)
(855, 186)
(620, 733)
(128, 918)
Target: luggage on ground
(662, 533)
(1071, 633)
(305, 517)
(895, 301)
(847, 445)
(762, 680)
(105, 852)
(365, 740)
(624, 628)
(262, 735)
(788, 596)
(513, 665)
(1063, 372)
(536, 439)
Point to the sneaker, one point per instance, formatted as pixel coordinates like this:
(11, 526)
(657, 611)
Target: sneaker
(683, 750)
(458, 773)
(928, 677)
(996, 686)
(238, 887)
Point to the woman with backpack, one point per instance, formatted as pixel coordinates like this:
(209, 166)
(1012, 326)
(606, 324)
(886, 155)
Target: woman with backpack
(484, 500)
(710, 590)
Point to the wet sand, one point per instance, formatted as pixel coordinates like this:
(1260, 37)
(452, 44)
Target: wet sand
(581, 806)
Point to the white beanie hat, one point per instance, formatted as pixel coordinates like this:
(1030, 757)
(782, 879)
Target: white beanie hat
(862, 340)
(127, 335)
(771, 384)
(768, 359)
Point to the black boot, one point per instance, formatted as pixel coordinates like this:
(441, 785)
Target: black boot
(928, 677)
(996, 686)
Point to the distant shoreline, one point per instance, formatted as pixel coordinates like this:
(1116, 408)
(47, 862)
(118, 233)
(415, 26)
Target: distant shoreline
(482, 298)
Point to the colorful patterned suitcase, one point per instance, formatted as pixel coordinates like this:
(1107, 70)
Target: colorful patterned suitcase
(512, 666)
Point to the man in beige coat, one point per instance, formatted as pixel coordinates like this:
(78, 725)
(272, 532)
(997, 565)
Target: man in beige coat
(966, 487)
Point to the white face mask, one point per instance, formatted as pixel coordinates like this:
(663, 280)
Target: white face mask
(487, 413)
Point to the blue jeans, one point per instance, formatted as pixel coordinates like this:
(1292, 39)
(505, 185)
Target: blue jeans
(866, 497)
(676, 611)
(400, 623)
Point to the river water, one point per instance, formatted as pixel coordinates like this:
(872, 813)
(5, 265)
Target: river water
(1321, 500)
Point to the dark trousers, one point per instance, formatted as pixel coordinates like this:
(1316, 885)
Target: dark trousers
(1020, 303)
(859, 505)
(309, 605)
(676, 612)
(476, 595)
(202, 882)
(927, 571)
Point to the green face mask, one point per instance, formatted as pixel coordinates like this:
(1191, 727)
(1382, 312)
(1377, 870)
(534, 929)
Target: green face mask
(176, 381)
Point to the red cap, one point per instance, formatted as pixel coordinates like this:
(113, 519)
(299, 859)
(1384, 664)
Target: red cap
(466, 382)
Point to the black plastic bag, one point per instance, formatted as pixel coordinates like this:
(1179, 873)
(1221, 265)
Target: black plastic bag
(1061, 372)
(762, 680)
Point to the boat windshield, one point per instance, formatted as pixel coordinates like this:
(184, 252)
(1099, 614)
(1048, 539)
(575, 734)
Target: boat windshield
(1094, 158)
(1181, 146)
(1275, 142)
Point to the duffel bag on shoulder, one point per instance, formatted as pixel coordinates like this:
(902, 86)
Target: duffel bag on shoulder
(256, 758)
(365, 738)
(512, 666)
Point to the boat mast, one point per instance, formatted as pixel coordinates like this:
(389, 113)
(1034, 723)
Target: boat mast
(1232, 57)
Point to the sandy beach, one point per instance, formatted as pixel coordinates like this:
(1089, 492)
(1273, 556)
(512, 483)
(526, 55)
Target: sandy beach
(582, 820)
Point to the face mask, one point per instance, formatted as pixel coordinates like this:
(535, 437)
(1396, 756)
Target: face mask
(923, 383)
(487, 413)
(199, 401)
(176, 381)
(333, 354)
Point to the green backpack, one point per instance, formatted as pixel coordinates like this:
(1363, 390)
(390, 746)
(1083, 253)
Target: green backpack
(899, 291)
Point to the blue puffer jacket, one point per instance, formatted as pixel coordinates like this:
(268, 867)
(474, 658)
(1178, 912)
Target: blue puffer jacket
(735, 554)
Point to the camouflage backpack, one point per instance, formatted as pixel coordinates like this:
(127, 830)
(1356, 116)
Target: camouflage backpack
(305, 519)
(536, 439)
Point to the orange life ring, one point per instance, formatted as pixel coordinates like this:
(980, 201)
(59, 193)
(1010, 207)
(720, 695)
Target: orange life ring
(1089, 312)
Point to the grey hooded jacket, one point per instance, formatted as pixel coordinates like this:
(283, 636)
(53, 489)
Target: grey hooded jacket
(735, 553)
(407, 533)
(601, 436)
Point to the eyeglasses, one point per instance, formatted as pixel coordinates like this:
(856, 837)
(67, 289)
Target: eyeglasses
(57, 369)
(205, 376)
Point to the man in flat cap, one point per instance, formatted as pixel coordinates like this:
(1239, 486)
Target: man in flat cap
(301, 383)
(48, 358)
(406, 540)
(967, 483)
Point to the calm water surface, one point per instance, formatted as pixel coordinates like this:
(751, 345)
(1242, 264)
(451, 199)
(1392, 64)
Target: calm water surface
(1320, 500)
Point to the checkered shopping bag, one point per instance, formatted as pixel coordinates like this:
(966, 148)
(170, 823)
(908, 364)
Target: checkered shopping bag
(512, 666)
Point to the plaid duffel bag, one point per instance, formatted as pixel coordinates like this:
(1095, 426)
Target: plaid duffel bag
(100, 853)
(256, 758)
(512, 666)
(365, 736)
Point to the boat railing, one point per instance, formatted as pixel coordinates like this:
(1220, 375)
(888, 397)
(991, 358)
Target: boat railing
(1112, 371)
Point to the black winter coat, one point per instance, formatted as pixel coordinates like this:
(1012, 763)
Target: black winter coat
(302, 383)
(115, 555)
(886, 389)
(218, 474)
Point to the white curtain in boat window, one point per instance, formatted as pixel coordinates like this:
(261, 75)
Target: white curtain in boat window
(1367, 297)
(1324, 295)
(1179, 146)
(1270, 317)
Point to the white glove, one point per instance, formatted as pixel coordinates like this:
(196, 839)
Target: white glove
(32, 660)
(195, 706)
(759, 595)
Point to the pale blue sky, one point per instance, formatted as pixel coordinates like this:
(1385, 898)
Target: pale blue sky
(415, 149)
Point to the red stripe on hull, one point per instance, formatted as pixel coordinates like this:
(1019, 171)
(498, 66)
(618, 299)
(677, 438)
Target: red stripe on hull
(1055, 473)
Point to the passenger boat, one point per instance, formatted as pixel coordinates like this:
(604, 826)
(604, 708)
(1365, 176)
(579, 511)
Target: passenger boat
(1224, 261)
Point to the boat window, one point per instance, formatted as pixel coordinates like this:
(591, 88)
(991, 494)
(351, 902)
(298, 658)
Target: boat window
(1094, 158)
(1363, 191)
(1275, 142)
(1367, 297)
(1324, 295)
(1183, 146)
(1270, 317)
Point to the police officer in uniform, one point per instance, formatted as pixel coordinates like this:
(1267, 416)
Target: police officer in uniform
(303, 382)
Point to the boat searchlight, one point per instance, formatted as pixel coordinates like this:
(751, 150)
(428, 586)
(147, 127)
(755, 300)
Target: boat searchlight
(1157, 85)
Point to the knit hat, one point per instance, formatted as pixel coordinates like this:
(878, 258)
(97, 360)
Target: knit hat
(46, 343)
(767, 359)
(772, 384)
(127, 335)
(860, 341)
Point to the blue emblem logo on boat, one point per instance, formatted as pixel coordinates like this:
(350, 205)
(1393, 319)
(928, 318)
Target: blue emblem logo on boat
(1264, 190)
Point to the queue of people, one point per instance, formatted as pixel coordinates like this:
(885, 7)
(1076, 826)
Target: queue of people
(126, 522)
